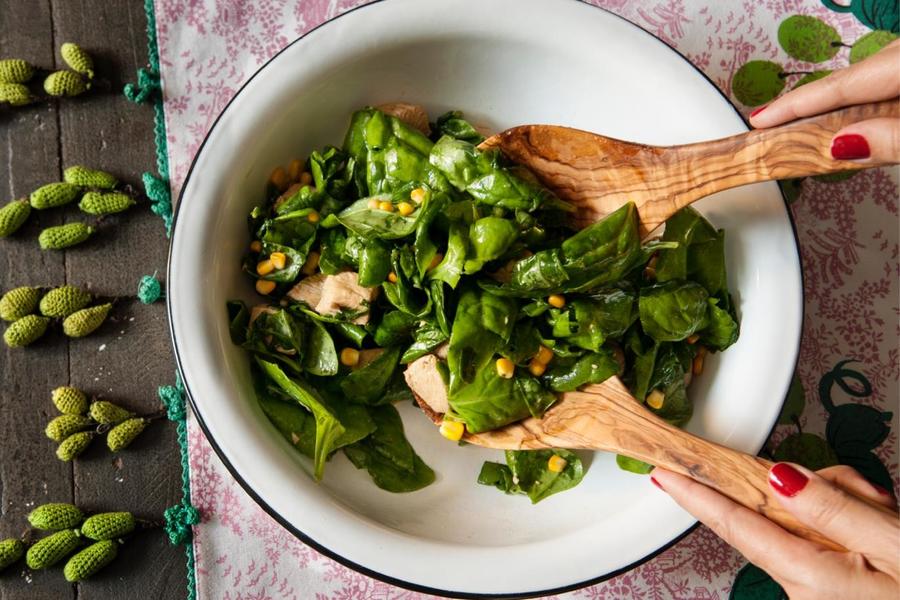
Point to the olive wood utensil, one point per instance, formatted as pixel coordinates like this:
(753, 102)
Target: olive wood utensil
(599, 174)
(607, 417)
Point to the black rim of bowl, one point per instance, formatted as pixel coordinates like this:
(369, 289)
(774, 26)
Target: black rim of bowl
(324, 549)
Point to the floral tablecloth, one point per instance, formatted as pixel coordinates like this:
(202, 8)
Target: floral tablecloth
(843, 404)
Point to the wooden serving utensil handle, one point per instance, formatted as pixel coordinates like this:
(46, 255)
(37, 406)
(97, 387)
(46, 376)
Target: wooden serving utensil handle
(607, 417)
(797, 149)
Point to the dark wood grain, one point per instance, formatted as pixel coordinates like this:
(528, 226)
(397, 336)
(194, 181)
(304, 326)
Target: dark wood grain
(130, 356)
(599, 174)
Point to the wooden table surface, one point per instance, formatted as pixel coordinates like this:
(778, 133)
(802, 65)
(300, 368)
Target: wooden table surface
(130, 356)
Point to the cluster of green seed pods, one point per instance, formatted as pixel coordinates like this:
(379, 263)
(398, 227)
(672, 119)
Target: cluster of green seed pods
(98, 194)
(67, 302)
(81, 421)
(86, 543)
(14, 73)
(73, 81)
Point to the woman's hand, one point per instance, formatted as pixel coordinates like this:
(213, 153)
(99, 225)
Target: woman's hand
(876, 78)
(806, 570)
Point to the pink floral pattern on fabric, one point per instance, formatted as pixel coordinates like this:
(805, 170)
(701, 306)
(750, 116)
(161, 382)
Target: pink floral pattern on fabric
(847, 230)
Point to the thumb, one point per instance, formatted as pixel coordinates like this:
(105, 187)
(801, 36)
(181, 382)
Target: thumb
(875, 139)
(825, 507)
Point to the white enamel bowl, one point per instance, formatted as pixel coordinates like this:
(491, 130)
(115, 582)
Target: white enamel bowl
(504, 62)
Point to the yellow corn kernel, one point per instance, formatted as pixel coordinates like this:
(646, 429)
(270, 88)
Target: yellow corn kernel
(294, 169)
(417, 195)
(311, 264)
(505, 368)
(350, 357)
(279, 178)
(556, 300)
(386, 206)
(405, 208)
(372, 204)
(264, 267)
(557, 463)
(256, 246)
(279, 259)
(306, 178)
(697, 365)
(536, 368)
(265, 287)
(313, 217)
(436, 261)
(655, 399)
(392, 277)
(452, 430)
(544, 355)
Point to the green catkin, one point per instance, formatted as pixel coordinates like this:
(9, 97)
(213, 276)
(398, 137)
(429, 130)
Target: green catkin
(48, 551)
(55, 516)
(11, 550)
(61, 427)
(85, 321)
(120, 436)
(77, 59)
(64, 236)
(65, 83)
(90, 560)
(53, 195)
(105, 203)
(108, 413)
(74, 445)
(13, 216)
(108, 526)
(14, 94)
(63, 301)
(89, 178)
(25, 331)
(69, 400)
(19, 302)
(15, 70)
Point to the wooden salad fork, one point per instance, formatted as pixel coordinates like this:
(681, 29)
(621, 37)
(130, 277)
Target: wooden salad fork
(607, 417)
(599, 174)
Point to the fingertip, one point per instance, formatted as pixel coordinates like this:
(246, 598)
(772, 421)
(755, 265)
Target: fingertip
(788, 479)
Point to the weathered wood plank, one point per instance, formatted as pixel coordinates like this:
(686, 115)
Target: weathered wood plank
(30, 474)
(130, 356)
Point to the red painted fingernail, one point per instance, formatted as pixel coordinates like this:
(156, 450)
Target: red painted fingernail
(656, 483)
(850, 146)
(787, 480)
(759, 110)
(883, 491)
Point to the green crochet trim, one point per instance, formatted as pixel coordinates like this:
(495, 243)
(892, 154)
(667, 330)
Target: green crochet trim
(180, 517)
(149, 87)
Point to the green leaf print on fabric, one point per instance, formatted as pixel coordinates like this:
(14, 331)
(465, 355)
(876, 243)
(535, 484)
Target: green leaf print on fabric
(752, 583)
(810, 77)
(874, 14)
(757, 82)
(869, 44)
(795, 401)
(808, 38)
(806, 449)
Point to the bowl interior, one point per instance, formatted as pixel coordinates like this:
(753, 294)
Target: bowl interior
(504, 63)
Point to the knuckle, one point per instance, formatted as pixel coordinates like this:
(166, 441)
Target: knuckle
(825, 509)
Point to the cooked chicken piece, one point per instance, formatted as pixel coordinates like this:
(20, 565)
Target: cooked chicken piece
(442, 350)
(330, 294)
(411, 114)
(425, 381)
(342, 291)
(309, 290)
(260, 309)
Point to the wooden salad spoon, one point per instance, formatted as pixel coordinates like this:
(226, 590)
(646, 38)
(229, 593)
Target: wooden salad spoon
(599, 174)
(607, 417)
